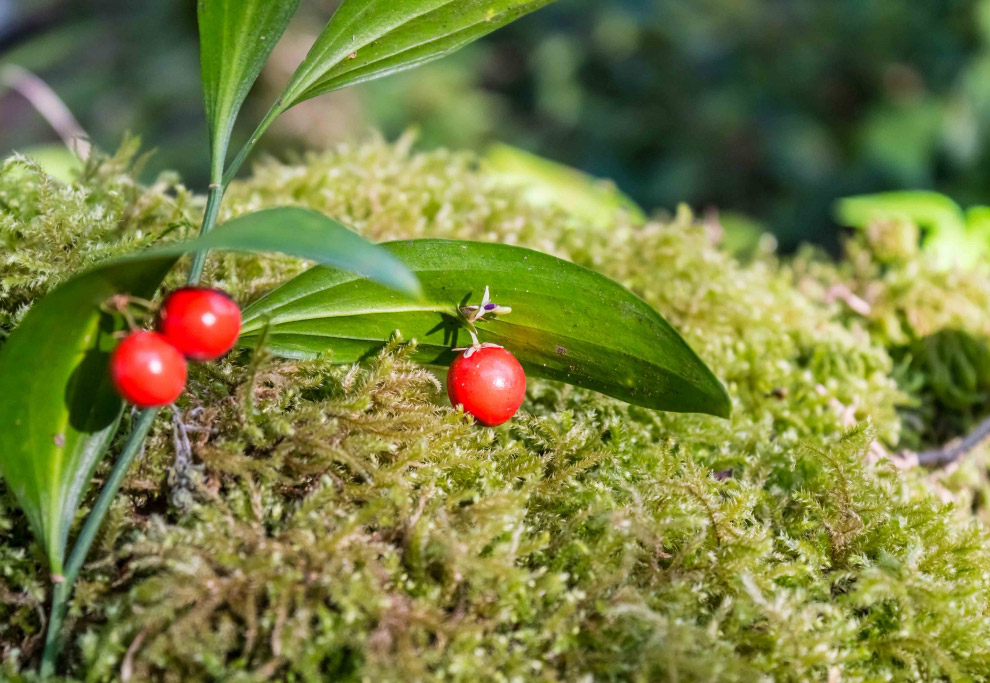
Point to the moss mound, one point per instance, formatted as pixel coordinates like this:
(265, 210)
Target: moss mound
(343, 523)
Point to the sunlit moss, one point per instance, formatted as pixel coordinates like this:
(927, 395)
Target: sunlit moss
(49, 230)
(343, 523)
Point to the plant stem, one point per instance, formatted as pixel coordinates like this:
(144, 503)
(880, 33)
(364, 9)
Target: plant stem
(219, 185)
(209, 221)
(49, 105)
(952, 452)
(242, 155)
(63, 590)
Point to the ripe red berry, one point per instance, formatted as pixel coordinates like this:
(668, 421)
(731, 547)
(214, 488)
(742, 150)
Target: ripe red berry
(202, 323)
(489, 383)
(147, 370)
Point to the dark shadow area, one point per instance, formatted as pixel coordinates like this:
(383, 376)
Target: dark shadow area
(949, 372)
(89, 395)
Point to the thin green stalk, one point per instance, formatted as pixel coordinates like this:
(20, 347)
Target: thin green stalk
(209, 221)
(63, 590)
(248, 147)
(219, 186)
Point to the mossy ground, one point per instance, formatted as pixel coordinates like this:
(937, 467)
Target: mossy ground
(344, 523)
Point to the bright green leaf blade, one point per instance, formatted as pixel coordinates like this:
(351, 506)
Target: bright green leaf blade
(57, 406)
(978, 222)
(929, 210)
(547, 182)
(236, 38)
(945, 226)
(568, 323)
(367, 39)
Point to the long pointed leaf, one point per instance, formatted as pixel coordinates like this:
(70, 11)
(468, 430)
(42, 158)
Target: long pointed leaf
(57, 408)
(368, 39)
(567, 323)
(236, 38)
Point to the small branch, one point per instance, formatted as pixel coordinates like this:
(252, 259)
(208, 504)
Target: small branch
(49, 105)
(949, 453)
(127, 667)
(8, 597)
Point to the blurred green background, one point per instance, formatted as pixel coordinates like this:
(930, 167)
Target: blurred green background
(773, 108)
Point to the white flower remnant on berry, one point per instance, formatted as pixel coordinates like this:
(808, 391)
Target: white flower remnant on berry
(473, 314)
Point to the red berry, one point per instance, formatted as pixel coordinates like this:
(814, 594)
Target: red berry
(202, 323)
(489, 383)
(147, 370)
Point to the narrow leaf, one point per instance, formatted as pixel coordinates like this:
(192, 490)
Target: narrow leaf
(567, 323)
(928, 210)
(236, 38)
(946, 236)
(367, 39)
(57, 407)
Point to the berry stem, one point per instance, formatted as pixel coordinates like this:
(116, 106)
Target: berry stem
(63, 589)
(132, 325)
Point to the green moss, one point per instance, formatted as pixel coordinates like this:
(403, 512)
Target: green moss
(343, 523)
(49, 230)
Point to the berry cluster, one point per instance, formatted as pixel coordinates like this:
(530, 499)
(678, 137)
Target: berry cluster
(148, 368)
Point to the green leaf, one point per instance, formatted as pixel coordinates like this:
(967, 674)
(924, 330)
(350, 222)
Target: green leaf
(567, 323)
(929, 210)
(947, 237)
(367, 39)
(57, 407)
(236, 38)
(590, 199)
(57, 160)
(56, 404)
(978, 222)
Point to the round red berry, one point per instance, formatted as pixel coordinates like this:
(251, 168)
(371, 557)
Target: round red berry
(489, 383)
(202, 323)
(147, 370)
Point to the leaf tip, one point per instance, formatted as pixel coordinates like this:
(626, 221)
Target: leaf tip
(722, 406)
(405, 281)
